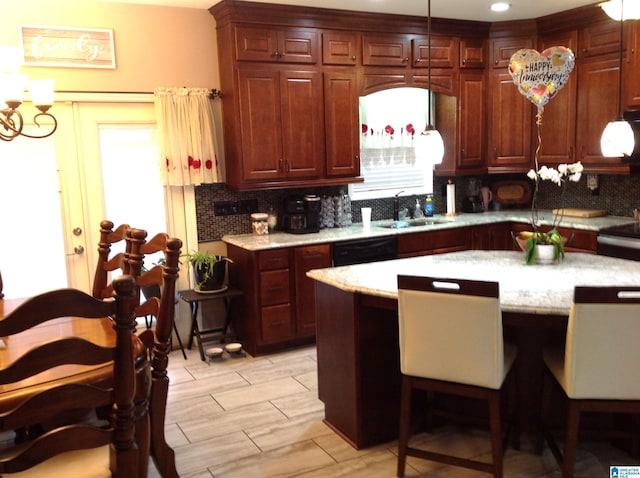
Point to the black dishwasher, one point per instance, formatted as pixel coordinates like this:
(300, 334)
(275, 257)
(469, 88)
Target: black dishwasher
(359, 251)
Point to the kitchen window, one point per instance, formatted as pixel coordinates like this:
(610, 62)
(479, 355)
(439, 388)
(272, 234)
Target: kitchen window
(390, 157)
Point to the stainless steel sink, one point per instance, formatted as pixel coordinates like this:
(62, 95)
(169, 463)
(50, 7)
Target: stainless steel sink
(410, 223)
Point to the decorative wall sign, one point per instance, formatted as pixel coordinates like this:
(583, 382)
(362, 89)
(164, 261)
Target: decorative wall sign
(67, 46)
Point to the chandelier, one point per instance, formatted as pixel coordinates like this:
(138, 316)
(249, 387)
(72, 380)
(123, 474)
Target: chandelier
(12, 88)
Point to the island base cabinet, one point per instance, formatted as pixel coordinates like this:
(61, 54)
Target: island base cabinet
(358, 364)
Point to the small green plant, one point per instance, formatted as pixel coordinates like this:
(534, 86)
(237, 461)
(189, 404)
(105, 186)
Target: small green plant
(203, 263)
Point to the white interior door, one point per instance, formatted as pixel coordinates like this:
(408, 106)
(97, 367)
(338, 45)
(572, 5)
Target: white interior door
(118, 147)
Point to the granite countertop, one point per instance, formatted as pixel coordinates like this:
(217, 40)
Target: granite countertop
(536, 289)
(356, 231)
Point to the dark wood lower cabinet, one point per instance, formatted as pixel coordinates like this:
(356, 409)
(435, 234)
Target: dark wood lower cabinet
(277, 309)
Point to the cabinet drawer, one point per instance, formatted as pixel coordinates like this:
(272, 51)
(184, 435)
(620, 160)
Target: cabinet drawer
(273, 259)
(274, 287)
(453, 239)
(276, 323)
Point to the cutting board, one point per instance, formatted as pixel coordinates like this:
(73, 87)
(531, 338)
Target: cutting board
(578, 212)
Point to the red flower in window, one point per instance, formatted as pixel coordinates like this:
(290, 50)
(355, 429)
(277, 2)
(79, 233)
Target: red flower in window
(208, 164)
(388, 129)
(410, 129)
(364, 128)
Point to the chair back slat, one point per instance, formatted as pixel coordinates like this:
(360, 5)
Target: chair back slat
(451, 330)
(61, 351)
(45, 307)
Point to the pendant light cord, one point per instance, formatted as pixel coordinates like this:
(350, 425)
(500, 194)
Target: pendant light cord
(620, 67)
(429, 64)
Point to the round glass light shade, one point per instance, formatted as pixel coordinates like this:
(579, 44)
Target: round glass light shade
(613, 9)
(41, 92)
(617, 139)
(430, 145)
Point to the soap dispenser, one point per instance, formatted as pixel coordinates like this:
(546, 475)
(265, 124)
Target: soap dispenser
(417, 212)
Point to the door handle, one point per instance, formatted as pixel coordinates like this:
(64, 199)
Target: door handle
(77, 250)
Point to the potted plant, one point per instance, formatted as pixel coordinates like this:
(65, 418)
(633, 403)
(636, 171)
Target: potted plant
(208, 269)
(531, 241)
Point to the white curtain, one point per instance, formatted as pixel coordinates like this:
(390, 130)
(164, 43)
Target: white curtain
(187, 136)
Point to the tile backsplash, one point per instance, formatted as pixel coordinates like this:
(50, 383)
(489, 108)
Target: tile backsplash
(618, 195)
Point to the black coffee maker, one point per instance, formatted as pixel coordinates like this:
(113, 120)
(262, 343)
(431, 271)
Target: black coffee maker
(302, 214)
(472, 201)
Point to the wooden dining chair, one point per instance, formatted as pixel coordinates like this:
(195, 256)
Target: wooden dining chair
(69, 441)
(450, 337)
(596, 369)
(157, 342)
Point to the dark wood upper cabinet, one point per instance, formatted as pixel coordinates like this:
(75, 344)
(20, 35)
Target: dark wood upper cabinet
(473, 53)
(444, 52)
(558, 139)
(340, 48)
(386, 50)
(277, 45)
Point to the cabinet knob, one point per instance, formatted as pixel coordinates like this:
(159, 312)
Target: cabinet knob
(406, 58)
(354, 58)
(464, 61)
(496, 62)
(418, 60)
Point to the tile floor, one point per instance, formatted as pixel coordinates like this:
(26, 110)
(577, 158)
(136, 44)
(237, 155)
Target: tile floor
(261, 418)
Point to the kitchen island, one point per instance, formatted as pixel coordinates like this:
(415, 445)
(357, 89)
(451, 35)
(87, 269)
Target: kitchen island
(357, 330)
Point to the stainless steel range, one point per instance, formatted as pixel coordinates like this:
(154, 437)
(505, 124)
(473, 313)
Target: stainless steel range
(620, 241)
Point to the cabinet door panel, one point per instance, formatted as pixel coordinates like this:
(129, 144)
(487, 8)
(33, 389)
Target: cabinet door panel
(472, 53)
(559, 118)
(260, 120)
(597, 90)
(510, 146)
(339, 48)
(256, 44)
(302, 123)
(386, 50)
(444, 52)
(307, 258)
(298, 46)
(471, 111)
(341, 124)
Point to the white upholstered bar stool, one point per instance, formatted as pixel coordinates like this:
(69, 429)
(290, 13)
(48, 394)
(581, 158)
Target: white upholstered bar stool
(451, 342)
(597, 369)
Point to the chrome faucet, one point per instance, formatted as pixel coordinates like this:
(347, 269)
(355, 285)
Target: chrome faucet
(396, 206)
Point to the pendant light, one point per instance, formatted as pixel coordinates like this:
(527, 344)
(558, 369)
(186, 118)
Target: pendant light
(617, 138)
(433, 145)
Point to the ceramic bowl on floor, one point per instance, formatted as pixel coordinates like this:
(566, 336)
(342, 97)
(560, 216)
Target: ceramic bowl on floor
(214, 352)
(234, 348)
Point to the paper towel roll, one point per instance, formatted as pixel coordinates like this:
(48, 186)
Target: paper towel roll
(451, 199)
